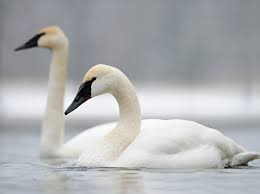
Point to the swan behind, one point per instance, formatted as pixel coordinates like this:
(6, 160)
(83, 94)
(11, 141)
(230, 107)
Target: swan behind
(152, 143)
(52, 133)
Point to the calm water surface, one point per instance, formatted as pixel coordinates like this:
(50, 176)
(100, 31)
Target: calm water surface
(23, 172)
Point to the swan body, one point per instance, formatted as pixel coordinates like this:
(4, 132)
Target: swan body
(148, 143)
(169, 144)
(80, 142)
(178, 144)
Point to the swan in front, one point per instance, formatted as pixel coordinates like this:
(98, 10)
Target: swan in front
(52, 133)
(151, 143)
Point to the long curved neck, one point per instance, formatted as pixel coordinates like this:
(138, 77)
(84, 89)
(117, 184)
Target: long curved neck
(129, 123)
(129, 109)
(52, 135)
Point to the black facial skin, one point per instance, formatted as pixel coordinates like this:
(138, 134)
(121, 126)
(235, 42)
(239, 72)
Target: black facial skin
(33, 42)
(84, 94)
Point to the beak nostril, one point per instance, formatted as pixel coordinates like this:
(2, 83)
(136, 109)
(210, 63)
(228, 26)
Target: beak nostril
(77, 99)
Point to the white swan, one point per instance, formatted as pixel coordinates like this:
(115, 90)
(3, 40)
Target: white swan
(152, 143)
(52, 136)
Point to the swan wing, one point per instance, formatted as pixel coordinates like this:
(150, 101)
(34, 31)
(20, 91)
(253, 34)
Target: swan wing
(178, 144)
(75, 146)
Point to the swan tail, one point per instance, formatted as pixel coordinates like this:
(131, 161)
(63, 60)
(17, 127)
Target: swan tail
(243, 158)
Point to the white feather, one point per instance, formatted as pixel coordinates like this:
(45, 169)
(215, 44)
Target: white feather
(152, 143)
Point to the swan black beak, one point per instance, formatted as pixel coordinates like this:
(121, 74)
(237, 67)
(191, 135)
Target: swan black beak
(78, 100)
(82, 96)
(33, 42)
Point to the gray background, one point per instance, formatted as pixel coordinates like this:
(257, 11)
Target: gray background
(180, 41)
(202, 43)
(189, 59)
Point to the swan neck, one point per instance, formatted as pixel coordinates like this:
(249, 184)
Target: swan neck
(129, 123)
(111, 146)
(129, 109)
(53, 121)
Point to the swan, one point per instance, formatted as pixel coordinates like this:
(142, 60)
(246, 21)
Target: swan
(151, 143)
(52, 133)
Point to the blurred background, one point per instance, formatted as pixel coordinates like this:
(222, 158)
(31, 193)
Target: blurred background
(188, 59)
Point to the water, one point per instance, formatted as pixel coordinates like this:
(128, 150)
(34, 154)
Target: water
(23, 172)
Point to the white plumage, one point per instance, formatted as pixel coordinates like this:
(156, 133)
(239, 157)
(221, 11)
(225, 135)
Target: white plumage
(151, 143)
(52, 136)
(130, 142)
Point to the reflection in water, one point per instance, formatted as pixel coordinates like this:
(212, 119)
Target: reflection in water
(55, 183)
(130, 181)
(100, 180)
(21, 171)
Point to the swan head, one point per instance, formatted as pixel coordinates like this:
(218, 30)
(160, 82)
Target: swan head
(100, 79)
(51, 37)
